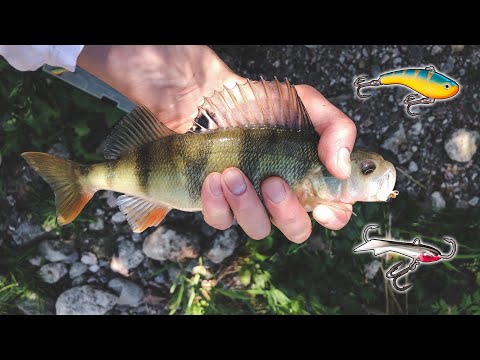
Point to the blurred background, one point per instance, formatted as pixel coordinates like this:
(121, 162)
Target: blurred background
(97, 265)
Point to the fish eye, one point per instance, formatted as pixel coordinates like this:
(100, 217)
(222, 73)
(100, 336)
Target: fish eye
(367, 167)
(446, 86)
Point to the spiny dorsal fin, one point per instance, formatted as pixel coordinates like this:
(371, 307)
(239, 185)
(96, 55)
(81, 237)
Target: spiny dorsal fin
(256, 103)
(141, 213)
(137, 128)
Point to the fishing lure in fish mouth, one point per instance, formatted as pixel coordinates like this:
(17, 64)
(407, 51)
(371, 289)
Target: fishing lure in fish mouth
(427, 82)
(260, 127)
(418, 253)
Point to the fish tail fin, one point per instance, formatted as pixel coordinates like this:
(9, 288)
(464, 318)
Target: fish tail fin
(71, 189)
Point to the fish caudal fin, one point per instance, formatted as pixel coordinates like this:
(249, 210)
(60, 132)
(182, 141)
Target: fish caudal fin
(64, 177)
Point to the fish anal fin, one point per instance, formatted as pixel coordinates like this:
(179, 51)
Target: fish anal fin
(141, 213)
(256, 103)
(139, 127)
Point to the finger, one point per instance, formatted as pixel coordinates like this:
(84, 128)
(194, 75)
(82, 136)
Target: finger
(245, 204)
(337, 132)
(286, 212)
(216, 210)
(333, 219)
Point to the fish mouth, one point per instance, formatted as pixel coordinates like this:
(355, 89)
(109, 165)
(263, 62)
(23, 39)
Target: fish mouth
(386, 184)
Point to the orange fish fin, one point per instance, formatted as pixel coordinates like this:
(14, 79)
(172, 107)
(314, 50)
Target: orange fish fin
(255, 103)
(137, 128)
(141, 213)
(63, 176)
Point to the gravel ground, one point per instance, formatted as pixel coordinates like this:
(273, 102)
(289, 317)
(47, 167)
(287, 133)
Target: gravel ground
(110, 270)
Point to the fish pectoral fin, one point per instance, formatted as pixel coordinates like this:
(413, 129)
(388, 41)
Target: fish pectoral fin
(141, 213)
(334, 205)
(137, 128)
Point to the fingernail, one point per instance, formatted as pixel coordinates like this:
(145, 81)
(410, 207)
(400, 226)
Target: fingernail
(235, 182)
(343, 162)
(323, 214)
(275, 191)
(215, 185)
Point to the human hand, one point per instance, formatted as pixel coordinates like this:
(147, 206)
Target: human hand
(231, 191)
(172, 81)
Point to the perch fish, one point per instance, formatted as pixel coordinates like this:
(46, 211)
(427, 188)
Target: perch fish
(259, 127)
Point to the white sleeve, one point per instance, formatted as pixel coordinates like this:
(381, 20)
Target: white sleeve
(31, 57)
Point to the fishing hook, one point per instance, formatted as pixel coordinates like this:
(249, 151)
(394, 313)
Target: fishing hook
(361, 83)
(453, 244)
(390, 275)
(410, 101)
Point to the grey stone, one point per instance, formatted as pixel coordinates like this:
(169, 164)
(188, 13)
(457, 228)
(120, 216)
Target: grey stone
(118, 218)
(462, 145)
(224, 245)
(36, 260)
(129, 293)
(398, 138)
(27, 232)
(98, 225)
(412, 167)
(436, 50)
(35, 304)
(167, 244)
(371, 269)
(438, 201)
(53, 272)
(89, 258)
(59, 150)
(79, 281)
(110, 198)
(129, 257)
(77, 269)
(474, 201)
(457, 48)
(58, 250)
(94, 268)
(85, 300)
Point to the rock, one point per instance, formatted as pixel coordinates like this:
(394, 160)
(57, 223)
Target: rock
(79, 281)
(129, 257)
(27, 232)
(438, 201)
(462, 145)
(371, 269)
(474, 201)
(77, 269)
(136, 237)
(36, 260)
(53, 272)
(412, 167)
(94, 268)
(35, 304)
(457, 48)
(129, 293)
(85, 300)
(89, 258)
(59, 150)
(98, 225)
(58, 250)
(406, 156)
(111, 198)
(436, 50)
(167, 244)
(118, 218)
(398, 138)
(207, 230)
(160, 279)
(223, 245)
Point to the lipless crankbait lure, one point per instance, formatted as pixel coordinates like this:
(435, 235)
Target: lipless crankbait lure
(427, 82)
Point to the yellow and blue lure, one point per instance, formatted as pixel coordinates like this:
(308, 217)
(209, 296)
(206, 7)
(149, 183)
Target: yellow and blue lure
(427, 82)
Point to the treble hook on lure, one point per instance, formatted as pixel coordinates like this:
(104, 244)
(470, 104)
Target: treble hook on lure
(427, 82)
(418, 252)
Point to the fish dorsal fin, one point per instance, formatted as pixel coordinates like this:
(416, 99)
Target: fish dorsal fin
(256, 103)
(416, 241)
(141, 213)
(137, 128)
